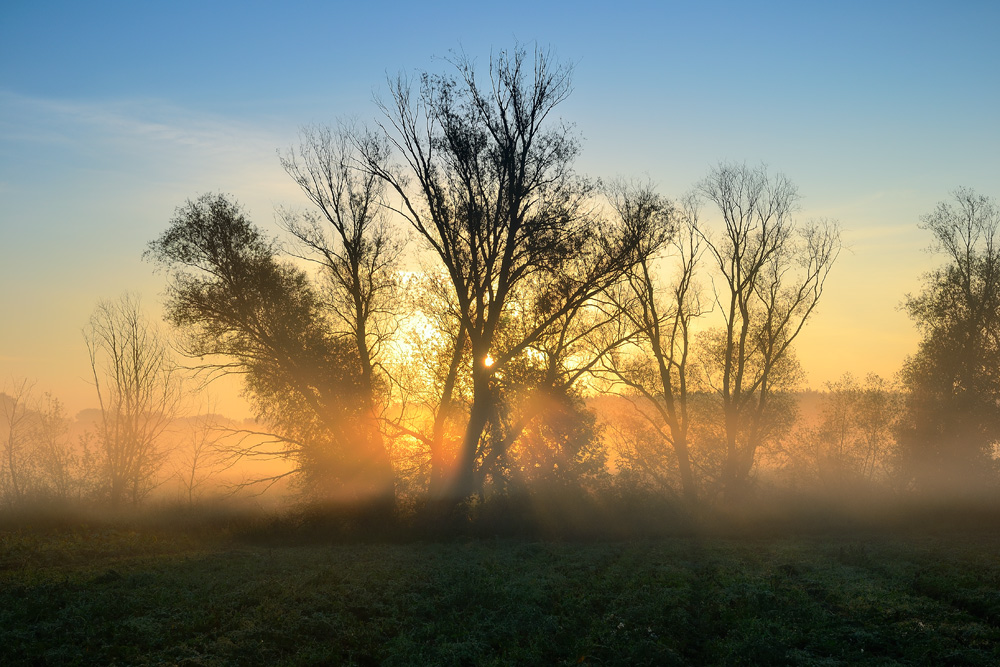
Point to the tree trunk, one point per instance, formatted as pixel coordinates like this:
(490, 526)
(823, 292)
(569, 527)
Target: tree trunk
(383, 476)
(463, 484)
(685, 470)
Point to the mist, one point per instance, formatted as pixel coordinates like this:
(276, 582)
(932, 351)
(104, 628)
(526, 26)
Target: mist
(487, 385)
(568, 351)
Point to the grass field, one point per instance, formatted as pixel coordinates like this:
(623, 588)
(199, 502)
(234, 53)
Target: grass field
(103, 593)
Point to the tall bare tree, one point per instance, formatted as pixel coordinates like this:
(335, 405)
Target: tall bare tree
(653, 371)
(485, 179)
(349, 236)
(138, 391)
(771, 274)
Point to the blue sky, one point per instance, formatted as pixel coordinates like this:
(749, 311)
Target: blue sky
(113, 113)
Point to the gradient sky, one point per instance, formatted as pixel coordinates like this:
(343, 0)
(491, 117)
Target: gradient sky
(113, 113)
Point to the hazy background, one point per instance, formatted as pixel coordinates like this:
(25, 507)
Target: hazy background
(113, 113)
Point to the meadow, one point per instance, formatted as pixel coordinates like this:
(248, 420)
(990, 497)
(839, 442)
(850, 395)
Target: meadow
(237, 591)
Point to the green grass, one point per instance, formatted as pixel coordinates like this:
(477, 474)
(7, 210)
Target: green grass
(99, 594)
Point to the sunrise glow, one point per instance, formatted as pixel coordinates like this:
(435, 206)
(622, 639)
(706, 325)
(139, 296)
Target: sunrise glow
(455, 333)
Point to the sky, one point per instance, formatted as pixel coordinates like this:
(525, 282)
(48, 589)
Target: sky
(112, 114)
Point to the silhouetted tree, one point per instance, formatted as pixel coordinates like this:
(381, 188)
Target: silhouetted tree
(137, 388)
(349, 236)
(772, 272)
(559, 449)
(485, 179)
(537, 395)
(435, 393)
(953, 421)
(653, 371)
(248, 313)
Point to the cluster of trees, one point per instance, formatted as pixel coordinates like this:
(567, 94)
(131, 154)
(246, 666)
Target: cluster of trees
(115, 454)
(851, 445)
(469, 367)
(39, 461)
(537, 286)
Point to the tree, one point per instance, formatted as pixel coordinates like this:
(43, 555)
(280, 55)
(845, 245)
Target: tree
(138, 391)
(17, 467)
(853, 446)
(243, 311)
(541, 432)
(38, 461)
(559, 449)
(349, 236)
(434, 392)
(654, 370)
(486, 181)
(953, 380)
(62, 470)
(200, 452)
(772, 276)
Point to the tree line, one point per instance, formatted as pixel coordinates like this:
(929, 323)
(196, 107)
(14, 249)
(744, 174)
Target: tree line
(438, 323)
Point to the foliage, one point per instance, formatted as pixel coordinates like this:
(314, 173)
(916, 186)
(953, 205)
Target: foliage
(43, 463)
(559, 449)
(237, 304)
(17, 464)
(952, 423)
(641, 461)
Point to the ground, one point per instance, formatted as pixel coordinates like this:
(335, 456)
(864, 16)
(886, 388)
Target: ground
(106, 593)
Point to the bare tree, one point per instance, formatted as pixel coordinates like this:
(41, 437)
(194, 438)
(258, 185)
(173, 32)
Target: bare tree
(201, 452)
(486, 181)
(653, 371)
(138, 390)
(853, 445)
(772, 273)
(349, 236)
(17, 466)
(61, 467)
